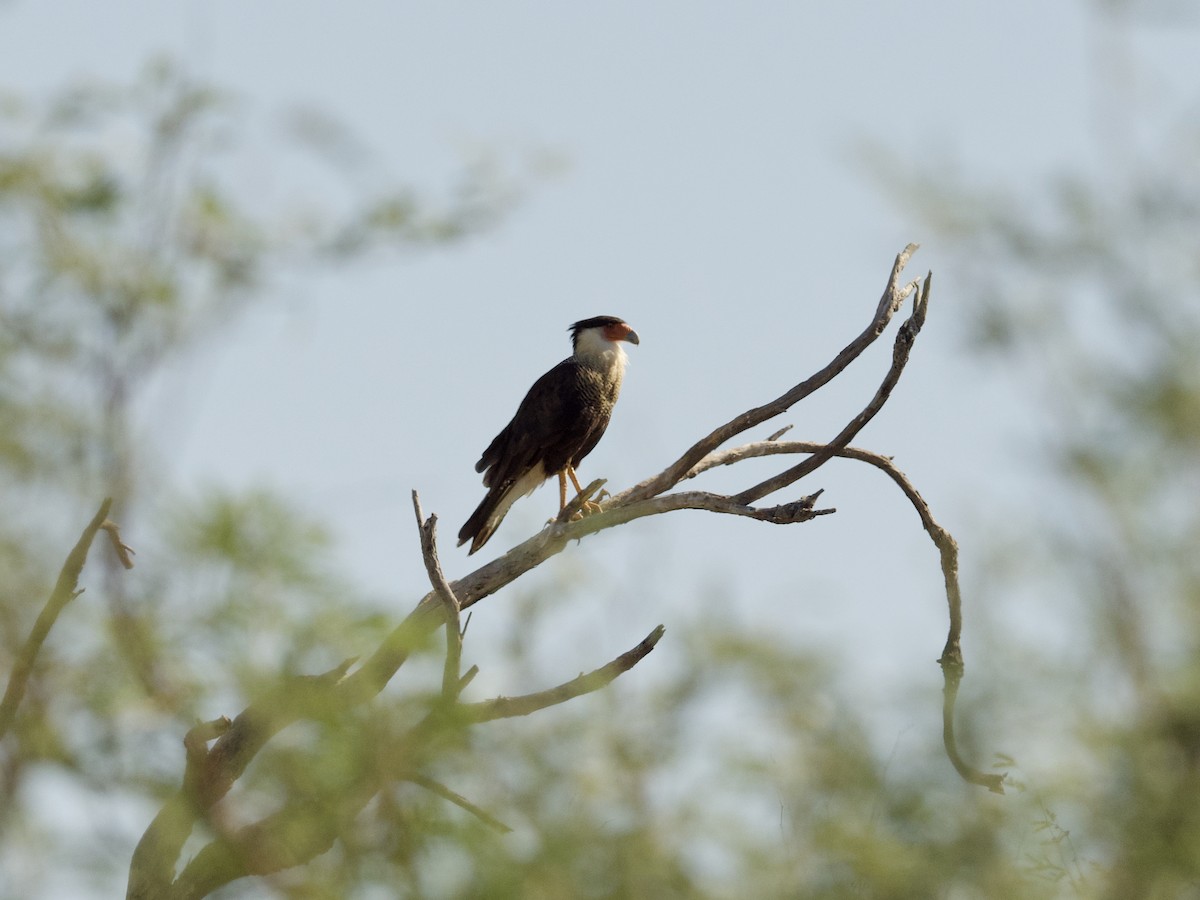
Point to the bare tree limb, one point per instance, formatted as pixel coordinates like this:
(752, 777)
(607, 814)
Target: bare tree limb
(292, 835)
(951, 659)
(454, 635)
(576, 505)
(893, 297)
(264, 847)
(904, 340)
(508, 707)
(297, 697)
(65, 590)
(630, 504)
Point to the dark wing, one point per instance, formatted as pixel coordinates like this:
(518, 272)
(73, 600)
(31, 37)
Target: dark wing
(556, 418)
(598, 427)
(558, 423)
(536, 444)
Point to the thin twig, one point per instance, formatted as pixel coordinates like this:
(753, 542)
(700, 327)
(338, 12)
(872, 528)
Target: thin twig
(65, 590)
(459, 800)
(454, 632)
(467, 678)
(900, 352)
(508, 707)
(894, 295)
(780, 433)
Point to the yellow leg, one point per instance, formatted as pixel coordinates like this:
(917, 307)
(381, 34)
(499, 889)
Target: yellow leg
(589, 506)
(574, 479)
(562, 490)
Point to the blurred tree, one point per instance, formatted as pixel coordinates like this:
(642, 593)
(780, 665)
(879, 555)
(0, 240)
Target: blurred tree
(1085, 292)
(124, 241)
(125, 247)
(118, 258)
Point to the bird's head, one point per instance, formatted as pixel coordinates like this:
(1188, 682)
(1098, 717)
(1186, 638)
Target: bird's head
(601, 335)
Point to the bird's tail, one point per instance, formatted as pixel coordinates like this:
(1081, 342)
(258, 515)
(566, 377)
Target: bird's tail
(494, 507)
(483, 522)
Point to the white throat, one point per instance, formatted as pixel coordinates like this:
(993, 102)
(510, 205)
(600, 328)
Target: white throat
(594, 349)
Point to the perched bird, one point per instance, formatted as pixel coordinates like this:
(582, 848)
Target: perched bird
(557, 424)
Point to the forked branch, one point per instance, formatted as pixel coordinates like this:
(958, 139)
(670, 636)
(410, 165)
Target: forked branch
(894, 295)
(212, 772)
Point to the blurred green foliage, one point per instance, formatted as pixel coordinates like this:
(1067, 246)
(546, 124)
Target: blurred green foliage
(1085, 294)
(125, 240)
(122, 245)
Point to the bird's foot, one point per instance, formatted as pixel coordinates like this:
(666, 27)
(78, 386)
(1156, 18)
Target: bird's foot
(582, 504)
(590, 508)
(586, 508)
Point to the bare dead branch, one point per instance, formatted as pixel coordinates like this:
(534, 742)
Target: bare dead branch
(893, 297)
(631, 504)
(265, 847)
(275, 842)
(951, 659)
(900, 352)
(297, 697)
(65, 590)
(454, 631)
(780, 433)
(153, 865)
(258, 849)
(508, 707)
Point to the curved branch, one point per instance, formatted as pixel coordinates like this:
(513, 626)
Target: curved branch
(905, 338)
(509, 707)
(893, 297)
(65, 590)
(153, 865)
(951, 659)
(276, 842)
(257, 848)
(378, 669)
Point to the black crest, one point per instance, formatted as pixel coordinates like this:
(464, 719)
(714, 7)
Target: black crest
(593, 322)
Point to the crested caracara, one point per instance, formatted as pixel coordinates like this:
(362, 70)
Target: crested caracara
(557, 424)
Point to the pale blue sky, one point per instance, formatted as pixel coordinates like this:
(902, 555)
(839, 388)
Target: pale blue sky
(711, 197)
